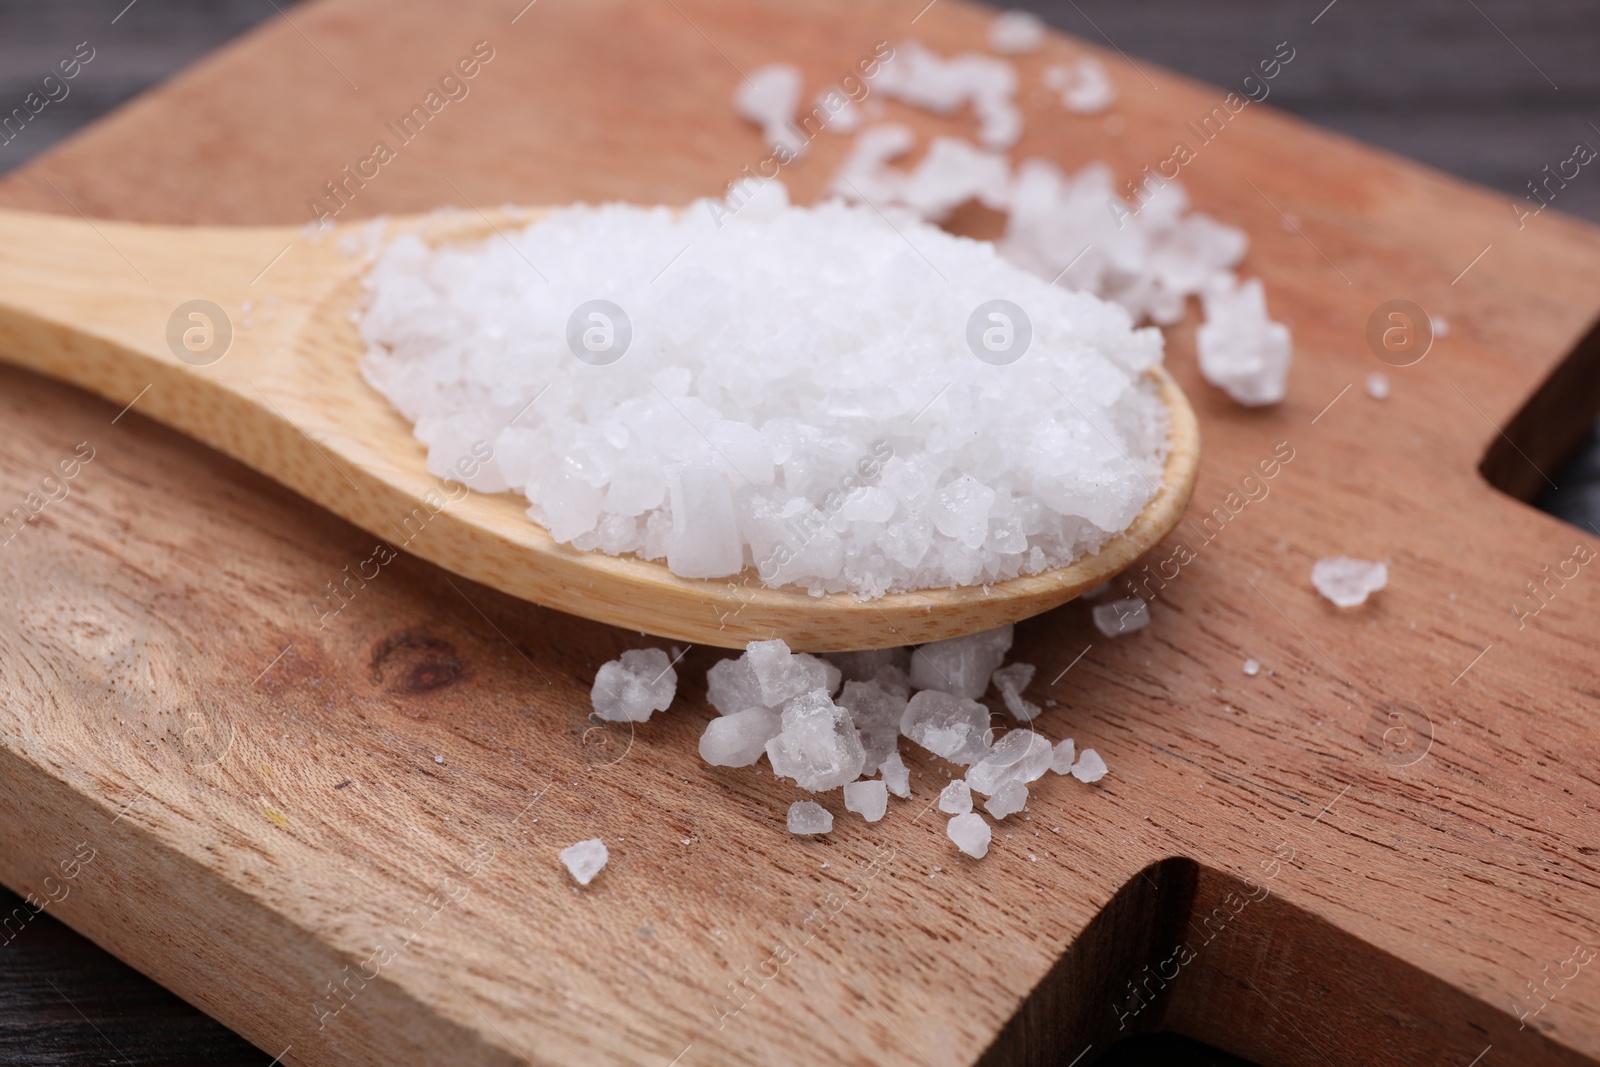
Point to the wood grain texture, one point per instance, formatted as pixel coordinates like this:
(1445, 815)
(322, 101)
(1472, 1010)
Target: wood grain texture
(266, 807)
(283, 392)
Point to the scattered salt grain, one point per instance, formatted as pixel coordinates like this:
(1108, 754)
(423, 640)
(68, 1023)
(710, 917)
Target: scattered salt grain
(783, 675)
(955, 798)
(706, 423)
(738, 740)
(1011, 680)
(1090, 767)
(961, 666)
(1378, 385)
(869, 798)
(585, 859)
(630, 688)
(1009, 799)
(1252, 668)
(1061, 758)
(1016, 32)
(818, 746)
(924, 79)
(970, 834)
(896, 776)
(1019, 756)
(809, 817)
(1348, 582)
(1084, 85)
(731, 686)
(947, 726)
(1118, 617)
(1243, 352)
(876, 712)
(769, 97)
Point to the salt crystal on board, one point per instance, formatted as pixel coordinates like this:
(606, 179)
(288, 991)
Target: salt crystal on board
(870, 798)
(1090, 767)
(947, 726)
(738, 740)
(1007, 800)
(1061, 758)
(970, 834)
(876, 712)
(1243, 352)
(955, 798)
(1019, 756)
(1011, 680)
(818, 746)
(809, 817)
(1016, 32)
(961, 666)
(585, 859)
(1252, 668)
(769, 97)
(1348, 582)
(630, 688)
(1118, 617)
(896, 775)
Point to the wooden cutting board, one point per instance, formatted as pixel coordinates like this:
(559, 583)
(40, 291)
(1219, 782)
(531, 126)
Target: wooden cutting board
(342, 839)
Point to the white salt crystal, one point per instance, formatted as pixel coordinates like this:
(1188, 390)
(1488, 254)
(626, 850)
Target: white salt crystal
(632, 687)
(782, 674)
(970, 833)
(864, 666)
(1008, 799)
(1243, 352)
(1015, 32)
(1348, 582)
(769, 97)
(947, 726)
(1061, 759)
(924, 79)
(955, 798)
(585, 859)
(1090, 767)
(1011, 680)
(731, 686)
(818, 746)
(809, 817)
(738, 740)
(723, 432)
(1084, 85)
(1117, 617)
(1019, 756)
(876, 712)
(1252, 668)
(961, 666)
(896, 776)
(869, 798)
(1378, 385)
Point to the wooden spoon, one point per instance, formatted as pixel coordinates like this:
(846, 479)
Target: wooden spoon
(244, 338)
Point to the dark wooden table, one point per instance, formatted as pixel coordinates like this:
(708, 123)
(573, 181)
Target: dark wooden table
(1491, 90)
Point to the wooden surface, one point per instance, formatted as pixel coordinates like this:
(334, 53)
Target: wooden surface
(283, 392)
(302, 817)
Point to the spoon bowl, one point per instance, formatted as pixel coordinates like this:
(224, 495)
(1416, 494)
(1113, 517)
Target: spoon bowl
(244, 338)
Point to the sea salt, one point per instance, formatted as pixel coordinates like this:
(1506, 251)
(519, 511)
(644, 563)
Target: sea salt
(896, 776)
(1378, 385)
(630, 688)
(921, 77)
(961, 666)
(1243, 352)
(1090, 767)
(1252, 668)
(666, 385)
(585, 859)
(818, 745)
(1007, 800)
(1011, 680)
(947, 726)
(955, 798)
(1016, 32)
(782, 675)
(869, 798)
(970, 834)
(809, 817)
(1348, 582)
(876, 712)
(1062, 756)
(740, 739)
(1117, 617)
(1019, 756)
(1084, 86)
(769, 97)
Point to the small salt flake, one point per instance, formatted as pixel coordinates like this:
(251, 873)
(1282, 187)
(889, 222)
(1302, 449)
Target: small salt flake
(809, 817)
(1348, 582)
(630, 688)
(1062, 756)
(1252, 668)
(970, 834)
(896, 776)
(1378, 385)
(955, 798)
(1121, 616)
(1016, 32)
(870, 799)
(1007, 800)
(585, 859)
(438, 759)
(1090, 767)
